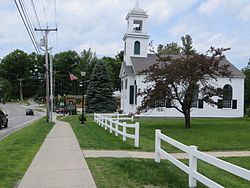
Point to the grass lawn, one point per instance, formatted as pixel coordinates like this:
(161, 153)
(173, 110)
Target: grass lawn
(91, 136)
(18, 150)
(135, 173)
(209, 134)
(40, 110)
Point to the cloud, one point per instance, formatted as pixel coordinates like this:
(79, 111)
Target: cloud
(101, 24)
(239, 9)
(209, 6)
(101, 49)
(161, 10)
(245, 13)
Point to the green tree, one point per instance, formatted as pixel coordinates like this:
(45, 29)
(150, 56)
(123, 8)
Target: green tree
(119, 56)
(100, 91)
(113, 66)
(5, 89)
(246, 71)
(88, 59)
(178, 79)
(15, 66)
(170, 49)
(35, 84)
(65, 63)
(187, 43)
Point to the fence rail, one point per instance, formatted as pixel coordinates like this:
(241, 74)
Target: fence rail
(194, 155)
(112, 121)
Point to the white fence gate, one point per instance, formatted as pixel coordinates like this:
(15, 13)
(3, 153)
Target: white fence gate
(194, 154)
(112, 121)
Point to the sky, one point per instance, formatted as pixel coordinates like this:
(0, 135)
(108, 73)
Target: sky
(100, 25)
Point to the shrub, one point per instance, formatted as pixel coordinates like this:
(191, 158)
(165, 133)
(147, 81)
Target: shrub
(248, 112)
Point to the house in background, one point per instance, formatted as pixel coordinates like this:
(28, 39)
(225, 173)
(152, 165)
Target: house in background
(136, 58)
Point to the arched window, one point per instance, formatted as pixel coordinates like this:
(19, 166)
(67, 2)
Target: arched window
(137, 48)
(227, 96)
(227, 92)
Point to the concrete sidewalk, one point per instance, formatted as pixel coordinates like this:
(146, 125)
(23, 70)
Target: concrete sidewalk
(59, 162)
(151, 155)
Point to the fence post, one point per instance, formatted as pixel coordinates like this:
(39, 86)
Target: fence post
(124, 131)
(132, 118)
(157, 145)
(137, 134)
(99, 120)
(192, 166)
(118, 117)
(105, 122)
(116, 128)
(110, 126)
(102, 123)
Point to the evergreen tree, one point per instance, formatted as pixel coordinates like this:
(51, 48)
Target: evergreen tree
(100, 91)
(246, 71)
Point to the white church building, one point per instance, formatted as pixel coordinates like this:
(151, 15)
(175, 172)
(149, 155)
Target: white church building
(136, 58)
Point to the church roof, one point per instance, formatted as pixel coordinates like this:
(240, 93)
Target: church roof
(142, 63)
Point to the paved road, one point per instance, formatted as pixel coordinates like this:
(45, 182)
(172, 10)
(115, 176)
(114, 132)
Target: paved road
(17, 117)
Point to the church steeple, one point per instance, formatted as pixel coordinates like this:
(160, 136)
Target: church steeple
(137, 6)
(136, 38)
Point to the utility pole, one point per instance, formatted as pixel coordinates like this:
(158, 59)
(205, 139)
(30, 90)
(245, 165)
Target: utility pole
(46, 32)
(20, 88)
(51, 88)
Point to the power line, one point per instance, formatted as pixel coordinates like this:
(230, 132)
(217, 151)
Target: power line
(37, 19)
(45, 14)
(29, 20)
(56, 24)
(26, 26)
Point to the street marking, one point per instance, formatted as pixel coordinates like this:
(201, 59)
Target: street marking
(6, 110)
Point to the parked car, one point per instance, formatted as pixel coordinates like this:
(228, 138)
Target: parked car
(30, 112)
(3, 120)
(61, 110)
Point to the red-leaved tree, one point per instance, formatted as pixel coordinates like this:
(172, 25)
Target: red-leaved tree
(176, 78)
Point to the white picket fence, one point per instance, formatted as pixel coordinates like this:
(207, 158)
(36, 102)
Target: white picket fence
(112, 121)
(194, 155)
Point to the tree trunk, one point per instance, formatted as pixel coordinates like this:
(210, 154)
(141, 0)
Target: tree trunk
(187, 119)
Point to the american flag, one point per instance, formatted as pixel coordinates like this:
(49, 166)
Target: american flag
(72, 77)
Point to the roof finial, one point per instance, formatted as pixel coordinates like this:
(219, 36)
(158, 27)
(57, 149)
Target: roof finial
(137, 6)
